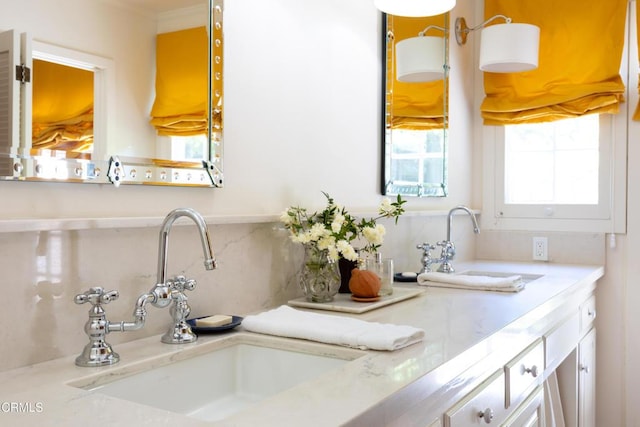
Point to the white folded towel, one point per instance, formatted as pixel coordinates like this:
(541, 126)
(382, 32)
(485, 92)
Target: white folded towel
(461, 281)
(285, 321)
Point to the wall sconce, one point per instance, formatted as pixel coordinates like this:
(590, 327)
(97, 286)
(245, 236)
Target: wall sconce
(504, 48)
(422, 58)
(414, 8)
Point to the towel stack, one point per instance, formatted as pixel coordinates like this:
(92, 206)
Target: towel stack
(285, 321)
(482, 283)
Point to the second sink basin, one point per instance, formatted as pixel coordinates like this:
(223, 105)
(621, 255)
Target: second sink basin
(223, 381)
(526, 278)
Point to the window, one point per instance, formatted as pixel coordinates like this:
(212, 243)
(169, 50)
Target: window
(565, 175)
(417, 162)
(189, 148)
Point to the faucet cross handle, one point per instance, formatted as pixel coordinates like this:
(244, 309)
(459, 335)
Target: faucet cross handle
(446, 255)
(97, 352)
(425, 246)
(426, 259)
(96, 296)
(448, 248)
(181, 283)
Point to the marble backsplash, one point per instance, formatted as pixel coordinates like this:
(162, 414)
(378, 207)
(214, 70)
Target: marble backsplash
(42, 271)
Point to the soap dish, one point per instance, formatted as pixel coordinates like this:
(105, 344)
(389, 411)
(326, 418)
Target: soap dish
(399, 277)
(235, 321)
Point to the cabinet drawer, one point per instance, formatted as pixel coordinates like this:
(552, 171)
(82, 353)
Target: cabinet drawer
(530, 413)
(561, 341)
(587, 314)
(523, 372)
(485, 404)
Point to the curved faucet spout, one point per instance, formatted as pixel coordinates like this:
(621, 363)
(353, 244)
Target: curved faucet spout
(476, 228)
(209, 258)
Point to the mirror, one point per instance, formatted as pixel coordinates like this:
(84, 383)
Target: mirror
(415, 113)
(116, 91)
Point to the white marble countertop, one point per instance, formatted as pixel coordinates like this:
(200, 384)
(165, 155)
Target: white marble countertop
(462, 328)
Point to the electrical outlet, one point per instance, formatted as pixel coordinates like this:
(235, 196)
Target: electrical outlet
(540, 249)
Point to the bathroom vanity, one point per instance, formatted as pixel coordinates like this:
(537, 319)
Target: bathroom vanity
(485, 360)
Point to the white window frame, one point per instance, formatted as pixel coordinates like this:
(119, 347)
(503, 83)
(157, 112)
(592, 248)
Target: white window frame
(608, 216)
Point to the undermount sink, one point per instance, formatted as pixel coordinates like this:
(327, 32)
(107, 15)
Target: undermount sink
(221, 382)
(526, 278)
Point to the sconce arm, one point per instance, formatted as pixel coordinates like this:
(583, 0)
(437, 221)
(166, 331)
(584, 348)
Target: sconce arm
(462, 30)
(423, 32)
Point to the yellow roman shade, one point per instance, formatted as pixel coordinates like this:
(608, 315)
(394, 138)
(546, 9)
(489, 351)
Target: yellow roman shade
(581, 44)
(416, 106)
(62, 107)
(180, 106)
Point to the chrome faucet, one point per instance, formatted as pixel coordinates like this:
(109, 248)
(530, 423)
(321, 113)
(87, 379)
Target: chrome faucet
(448, 248)
(98, 352)
(167, 291)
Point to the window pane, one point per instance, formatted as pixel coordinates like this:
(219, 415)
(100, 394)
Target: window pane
(553, 163)
(189, 148)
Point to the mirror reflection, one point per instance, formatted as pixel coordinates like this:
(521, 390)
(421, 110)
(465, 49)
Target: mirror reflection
(62, 109)
(414, 136)
(131, 96)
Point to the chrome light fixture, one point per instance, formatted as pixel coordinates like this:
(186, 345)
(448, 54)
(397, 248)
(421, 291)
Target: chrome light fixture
(414, 8)
(504, 48)
(421, 58)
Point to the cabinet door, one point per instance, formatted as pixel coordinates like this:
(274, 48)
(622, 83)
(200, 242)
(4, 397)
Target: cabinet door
(587, 380)
(530, 413)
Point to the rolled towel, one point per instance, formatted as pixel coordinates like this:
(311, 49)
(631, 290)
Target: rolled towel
(461, 281)
(285, 321)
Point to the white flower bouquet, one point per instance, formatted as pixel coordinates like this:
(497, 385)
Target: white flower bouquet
(334, 229)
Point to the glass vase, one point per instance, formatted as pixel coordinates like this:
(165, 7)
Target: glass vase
(319, 278)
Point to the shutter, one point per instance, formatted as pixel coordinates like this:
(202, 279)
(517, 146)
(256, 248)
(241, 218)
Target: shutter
(9, 93)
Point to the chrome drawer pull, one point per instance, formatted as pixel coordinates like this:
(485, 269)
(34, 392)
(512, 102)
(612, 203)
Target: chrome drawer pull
(533, 371)
(486, 415)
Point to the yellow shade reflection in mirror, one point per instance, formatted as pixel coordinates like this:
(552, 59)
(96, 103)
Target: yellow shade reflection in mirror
(62, 109)
(180, 106)
(415, 105)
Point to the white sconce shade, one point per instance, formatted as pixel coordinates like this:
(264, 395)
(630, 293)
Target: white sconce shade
(420, 59)
(415, 8)
(509, 48)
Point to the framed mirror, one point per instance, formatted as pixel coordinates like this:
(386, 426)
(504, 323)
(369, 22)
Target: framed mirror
(415, 105)
(115, 91)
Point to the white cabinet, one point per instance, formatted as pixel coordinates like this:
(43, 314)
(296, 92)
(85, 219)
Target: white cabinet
(587, 380)
(510, 386)
(568, 348)
(577, 372)
(510, 397)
